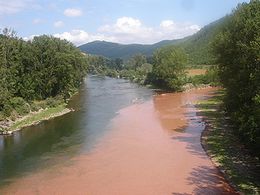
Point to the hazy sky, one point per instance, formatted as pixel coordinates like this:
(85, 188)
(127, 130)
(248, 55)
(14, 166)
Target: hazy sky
(123, 21)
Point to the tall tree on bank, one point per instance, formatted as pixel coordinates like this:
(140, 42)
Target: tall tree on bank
(168, 68)
(9, 44)
(238, 53)
(38, 69)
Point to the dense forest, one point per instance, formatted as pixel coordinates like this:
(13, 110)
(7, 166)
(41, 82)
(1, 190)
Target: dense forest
(237, 49)
(45, 67)
(198, 47)
(123, 51)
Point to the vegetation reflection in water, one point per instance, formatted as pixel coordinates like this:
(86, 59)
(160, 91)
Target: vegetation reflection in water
(59, 139)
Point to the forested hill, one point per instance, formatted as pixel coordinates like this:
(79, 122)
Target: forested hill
(199, 47)
(116, 50)
(196, 46)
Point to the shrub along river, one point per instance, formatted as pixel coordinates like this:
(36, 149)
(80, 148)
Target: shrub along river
(121, 139)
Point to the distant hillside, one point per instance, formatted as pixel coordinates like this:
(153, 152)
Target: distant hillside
(197, 46)
(116, 50)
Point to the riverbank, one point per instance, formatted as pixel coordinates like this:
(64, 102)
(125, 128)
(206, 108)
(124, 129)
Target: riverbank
(33, 118)
(239, 167)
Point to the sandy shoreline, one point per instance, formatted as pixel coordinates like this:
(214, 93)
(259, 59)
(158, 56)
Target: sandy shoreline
(152, 148)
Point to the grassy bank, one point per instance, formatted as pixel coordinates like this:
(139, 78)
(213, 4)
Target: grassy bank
(239, 167)
(35, 118)
(35, 113)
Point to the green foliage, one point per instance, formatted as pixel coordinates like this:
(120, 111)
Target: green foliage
(112, 73)
(62, 66)
(35, 107)
(211, 77)
(134, 69)
(198, 46)
(116, 50)
(237, 49)
(15, 106)
(128, 74)
(168, 68)
(35, 70)
(241, 167)
(53, 102)
(2, 117)
(118, 64)
(138, 60)
(101, 65)
(7, 110)
(35, 118)
(19, 105)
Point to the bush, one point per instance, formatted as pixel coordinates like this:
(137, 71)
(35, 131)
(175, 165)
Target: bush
(7, 110)
(2, 116)
(14, 115)
(35, 107)
(112, 73)
(53, 102)
(42, 104)
(20, 105)
(211, 78)
(168, 69)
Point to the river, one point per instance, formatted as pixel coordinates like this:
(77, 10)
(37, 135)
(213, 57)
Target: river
(121, 139)
(53, 141)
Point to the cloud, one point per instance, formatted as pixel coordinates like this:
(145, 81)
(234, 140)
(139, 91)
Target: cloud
(72, 12)
(167, 23)
(79, 37)
(127, 30)
(130, 30)
(13, 6)
(30, 37)
(123, 25)
(58, 24)
(172, 30)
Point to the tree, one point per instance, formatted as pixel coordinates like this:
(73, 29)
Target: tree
(237, 50)
(38, 69)
(118, 64)
(136, 61)
(168, 68)
(8, 59)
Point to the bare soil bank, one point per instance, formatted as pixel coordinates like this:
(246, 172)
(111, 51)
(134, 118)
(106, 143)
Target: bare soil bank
(153, 148)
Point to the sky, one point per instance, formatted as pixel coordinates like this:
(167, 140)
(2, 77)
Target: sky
(122, 21)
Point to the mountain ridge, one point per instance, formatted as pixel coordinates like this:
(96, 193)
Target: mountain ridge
(124, 51)
(197, 46)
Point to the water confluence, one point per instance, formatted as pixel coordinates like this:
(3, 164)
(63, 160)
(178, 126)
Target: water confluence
(122, 139)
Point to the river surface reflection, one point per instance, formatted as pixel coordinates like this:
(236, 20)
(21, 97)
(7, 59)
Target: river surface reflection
(62, 138)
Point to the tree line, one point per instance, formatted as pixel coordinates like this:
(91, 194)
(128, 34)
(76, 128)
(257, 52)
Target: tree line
(38, 69)
(166, 69)
(237, 50)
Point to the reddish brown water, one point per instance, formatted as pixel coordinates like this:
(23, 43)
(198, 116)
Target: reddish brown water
(153, 148)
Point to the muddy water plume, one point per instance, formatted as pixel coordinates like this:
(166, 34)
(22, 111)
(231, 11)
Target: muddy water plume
(152, 148)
